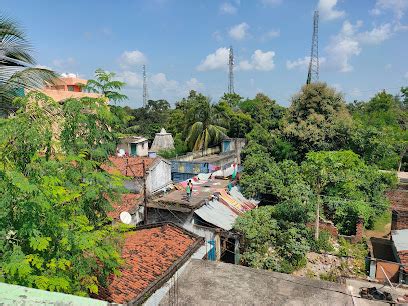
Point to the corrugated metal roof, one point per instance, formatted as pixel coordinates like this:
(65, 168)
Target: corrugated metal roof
(238, 196)
(217, 214)
(400, 238)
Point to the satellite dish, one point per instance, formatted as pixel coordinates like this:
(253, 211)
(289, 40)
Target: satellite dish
(121, 152)
(125, 217)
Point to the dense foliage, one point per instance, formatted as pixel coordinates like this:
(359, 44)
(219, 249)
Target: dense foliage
(54, 231)
(271, 243)
(17, 65)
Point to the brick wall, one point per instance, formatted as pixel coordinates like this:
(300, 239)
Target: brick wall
(399, 220)
(359, 231)
(403, 256)
(326, 226)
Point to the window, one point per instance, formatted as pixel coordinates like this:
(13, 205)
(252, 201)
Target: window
(70, 87)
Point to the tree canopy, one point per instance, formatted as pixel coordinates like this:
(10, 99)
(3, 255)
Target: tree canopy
(54, 230)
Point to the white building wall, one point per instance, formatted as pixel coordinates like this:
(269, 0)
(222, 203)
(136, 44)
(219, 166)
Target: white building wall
(143, 149)
(159, 177)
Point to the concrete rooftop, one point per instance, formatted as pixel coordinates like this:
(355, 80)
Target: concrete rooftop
(177, 199)
(216, 283)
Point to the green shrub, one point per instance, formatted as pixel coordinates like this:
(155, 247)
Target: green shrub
(323, 244)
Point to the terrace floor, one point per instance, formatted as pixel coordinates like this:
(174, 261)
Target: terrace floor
(177, 199)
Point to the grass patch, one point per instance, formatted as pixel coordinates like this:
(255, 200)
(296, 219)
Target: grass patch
(382, 221)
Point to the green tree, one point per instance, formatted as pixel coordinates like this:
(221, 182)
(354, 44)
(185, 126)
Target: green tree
(17, 65)
(264, 111)
(318, 119)
(87, 128)
(271, 244)
(346, 188)
(238, 123)
(149, 120)
(54, 230)
(381, 136)
(105, 84)
(205, 125)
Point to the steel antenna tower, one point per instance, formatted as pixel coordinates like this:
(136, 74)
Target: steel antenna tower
(231, 71)
(313, 73)
(144, 87)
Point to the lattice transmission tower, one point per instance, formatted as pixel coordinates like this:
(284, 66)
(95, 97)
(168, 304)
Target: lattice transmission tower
(145, 97)
(231, 71)
(313, 72)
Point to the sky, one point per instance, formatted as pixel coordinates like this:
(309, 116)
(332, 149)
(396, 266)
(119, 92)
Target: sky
(363, 44)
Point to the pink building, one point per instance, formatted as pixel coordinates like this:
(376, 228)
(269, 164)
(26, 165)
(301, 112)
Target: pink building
(68, 87)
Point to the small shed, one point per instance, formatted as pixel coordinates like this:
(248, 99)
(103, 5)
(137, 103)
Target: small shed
(162, 141)
(133, 146)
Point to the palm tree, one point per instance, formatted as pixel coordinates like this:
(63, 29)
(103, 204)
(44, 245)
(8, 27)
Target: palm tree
(17, 70)
(206, 128)
(106, 85)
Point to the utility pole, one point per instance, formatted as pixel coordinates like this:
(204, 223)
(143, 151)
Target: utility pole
(313, 72)
(231, 71)
(137, 186)
(144, 194)
(144, 87)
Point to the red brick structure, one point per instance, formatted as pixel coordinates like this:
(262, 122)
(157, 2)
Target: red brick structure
(325, 226)
(151, 254)
(127, 166)
(359, 231)
(399, 204)
(332, 229)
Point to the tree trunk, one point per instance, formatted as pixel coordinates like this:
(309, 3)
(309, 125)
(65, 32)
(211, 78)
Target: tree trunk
(401, 158)
(317, 218)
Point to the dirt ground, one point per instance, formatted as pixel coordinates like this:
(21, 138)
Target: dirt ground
(385, 233)
(327, 267)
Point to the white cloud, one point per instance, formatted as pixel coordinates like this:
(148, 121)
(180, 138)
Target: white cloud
(356, 93)
(132, 58)
(349, 42)
(161, 82)
(328, 11)
(194, 84)
(343, 46)
(64, 63)
(270, 35)
(299, 63)
(239, 32)
(216, 60)
(398, 7)
(132, 79)
(227, 8)
(69, 75)
(217, 36)
(271, 2)
(377, 35)
(262, 61)
(302, 63)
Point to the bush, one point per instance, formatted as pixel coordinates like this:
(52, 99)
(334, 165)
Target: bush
(269, 244)
(323, 244)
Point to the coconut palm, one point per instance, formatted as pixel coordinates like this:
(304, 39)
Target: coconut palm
(206, 128)
(106, 85)
(17, 66)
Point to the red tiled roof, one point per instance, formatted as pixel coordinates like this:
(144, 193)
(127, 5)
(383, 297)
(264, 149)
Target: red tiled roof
(148, 254)
(128, 203)
(128, 166)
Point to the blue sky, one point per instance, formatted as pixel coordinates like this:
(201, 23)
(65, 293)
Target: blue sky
(363, 44)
